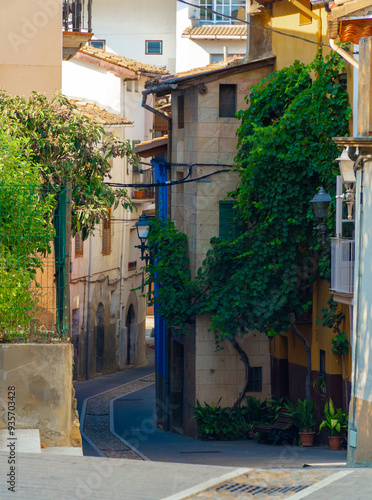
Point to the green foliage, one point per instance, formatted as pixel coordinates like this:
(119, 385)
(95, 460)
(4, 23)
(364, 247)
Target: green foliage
(67, 146)
(26, 231)
(319, 384)
(258, 413)
(216, 422)
(332, 318)
(335, 421)
(262, 279)
(302, 415)
(177, 298)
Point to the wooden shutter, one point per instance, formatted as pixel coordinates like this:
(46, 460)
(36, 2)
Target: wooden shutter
(79, 245)
(106, 234)
(228, 226)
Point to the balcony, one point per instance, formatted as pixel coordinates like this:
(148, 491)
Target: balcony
(342, 269)
(76, 26)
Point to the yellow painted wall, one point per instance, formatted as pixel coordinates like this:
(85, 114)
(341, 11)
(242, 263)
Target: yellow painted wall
(318, 336)
(31, 46)
(286, 18)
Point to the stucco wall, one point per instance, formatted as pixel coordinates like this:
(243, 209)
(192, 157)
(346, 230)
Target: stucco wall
(42, 377)
(31, 46)
(112, 283)
(127, 25)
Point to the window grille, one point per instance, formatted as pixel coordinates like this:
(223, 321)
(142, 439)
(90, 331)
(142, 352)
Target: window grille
(255, 379)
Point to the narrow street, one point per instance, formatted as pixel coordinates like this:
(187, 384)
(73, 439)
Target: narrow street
(117, 420)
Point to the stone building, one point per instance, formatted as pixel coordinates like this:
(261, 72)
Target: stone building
(203, 136)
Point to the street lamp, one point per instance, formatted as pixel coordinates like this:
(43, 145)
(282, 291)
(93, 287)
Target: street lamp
(142, 226)
(320, 204)
(348, 179)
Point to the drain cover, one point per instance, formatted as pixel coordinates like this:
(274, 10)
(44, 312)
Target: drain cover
(232, 487)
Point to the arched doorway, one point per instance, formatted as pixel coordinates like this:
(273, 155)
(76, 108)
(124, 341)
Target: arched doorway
(100, 337)
(129, 325)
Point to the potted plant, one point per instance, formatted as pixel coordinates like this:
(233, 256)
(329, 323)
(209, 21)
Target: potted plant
(335, 421)
(302, 416)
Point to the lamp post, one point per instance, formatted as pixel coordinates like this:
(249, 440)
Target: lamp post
(320, 204)
(143, 225)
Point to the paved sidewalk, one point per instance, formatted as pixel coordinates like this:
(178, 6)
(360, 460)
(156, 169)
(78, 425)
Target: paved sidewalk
(68, 478)
(134, 420)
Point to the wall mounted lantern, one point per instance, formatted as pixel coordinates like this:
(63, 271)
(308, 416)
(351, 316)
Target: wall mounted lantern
(320, 204)
(142, 226)
(348, 179)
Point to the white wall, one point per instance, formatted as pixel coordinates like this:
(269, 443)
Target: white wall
(196, 53)
(127, 25)
(82, 80)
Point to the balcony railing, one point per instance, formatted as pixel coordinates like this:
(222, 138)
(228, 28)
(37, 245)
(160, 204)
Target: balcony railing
(77, 16)
(342, 265)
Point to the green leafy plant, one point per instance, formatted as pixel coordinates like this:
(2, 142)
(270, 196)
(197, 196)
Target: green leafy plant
(332, 318)
(216, 422)
(258, 412)
(335, 421)
(319, 384)
(302, 415)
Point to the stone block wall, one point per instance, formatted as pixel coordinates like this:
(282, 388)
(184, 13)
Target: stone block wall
(209, 139)
(41, 375)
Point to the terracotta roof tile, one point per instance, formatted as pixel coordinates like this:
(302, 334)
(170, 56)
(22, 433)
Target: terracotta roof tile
(124, 62)
(98, 114)
(231, 61)
(216, 31)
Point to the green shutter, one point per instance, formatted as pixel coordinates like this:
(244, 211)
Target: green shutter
(228, 227)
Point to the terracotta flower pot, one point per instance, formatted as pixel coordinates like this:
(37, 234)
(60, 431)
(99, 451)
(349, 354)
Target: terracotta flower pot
(334, 442)
(250, 434)
(307, 439)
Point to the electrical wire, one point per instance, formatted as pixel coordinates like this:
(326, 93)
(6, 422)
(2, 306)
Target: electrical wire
(252, 24)
(167, 183)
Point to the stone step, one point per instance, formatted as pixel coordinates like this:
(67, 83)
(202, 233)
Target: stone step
(26, 440)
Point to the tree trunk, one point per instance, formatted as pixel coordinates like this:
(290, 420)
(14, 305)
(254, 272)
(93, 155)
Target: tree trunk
(244, 358)
(308, 354)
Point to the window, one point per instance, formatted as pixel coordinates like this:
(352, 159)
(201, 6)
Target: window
(227, 100)
(154, 47)
(255, 379)
(130, 86)
(229, 228)
(106, 234)
(98, 44)
(181, 111)
(79, 245)
(233, 8)
(136, 86)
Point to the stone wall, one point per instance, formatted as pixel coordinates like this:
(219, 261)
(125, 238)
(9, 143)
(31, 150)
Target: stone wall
(44, 396)
(207, 139)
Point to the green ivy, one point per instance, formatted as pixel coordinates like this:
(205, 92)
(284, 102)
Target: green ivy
(332, 318)
(262, 280)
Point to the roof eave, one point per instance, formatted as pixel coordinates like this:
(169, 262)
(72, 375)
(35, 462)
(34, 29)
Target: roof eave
(190, 80)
